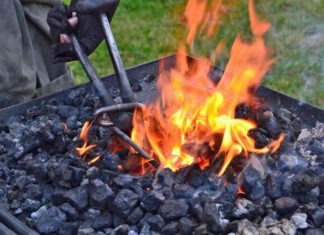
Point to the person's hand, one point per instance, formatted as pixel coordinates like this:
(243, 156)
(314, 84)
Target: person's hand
(81, 18)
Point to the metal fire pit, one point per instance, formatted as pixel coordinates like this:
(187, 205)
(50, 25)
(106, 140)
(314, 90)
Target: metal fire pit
(308, 114)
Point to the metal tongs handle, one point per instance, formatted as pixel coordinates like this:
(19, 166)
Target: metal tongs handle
(13, 223)
(91, 73)
(101, 8)
(123, 82)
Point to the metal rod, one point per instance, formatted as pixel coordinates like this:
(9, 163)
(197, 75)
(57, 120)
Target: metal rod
(126, 138)
(16, 225)
(117, 108)
(93, 76)
(120, 108)
(105, 98)
(4, 230)
(123, 82)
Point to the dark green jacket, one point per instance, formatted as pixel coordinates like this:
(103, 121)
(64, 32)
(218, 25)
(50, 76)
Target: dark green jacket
(26, 69)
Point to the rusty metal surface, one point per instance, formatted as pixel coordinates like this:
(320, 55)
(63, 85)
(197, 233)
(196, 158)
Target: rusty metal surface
(309, 114)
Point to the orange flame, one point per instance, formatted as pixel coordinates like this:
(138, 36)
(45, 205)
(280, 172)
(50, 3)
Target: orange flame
(192, 110)
(201, 15)
(84, 137)
(94, 160)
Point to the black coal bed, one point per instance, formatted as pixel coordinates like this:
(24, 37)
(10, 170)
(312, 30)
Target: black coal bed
(52, 190)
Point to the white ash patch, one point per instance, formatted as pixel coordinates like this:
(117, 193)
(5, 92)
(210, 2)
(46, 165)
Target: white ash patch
(306, 139)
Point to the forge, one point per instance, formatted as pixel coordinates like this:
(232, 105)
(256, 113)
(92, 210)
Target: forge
(173, 146)
(47, 186)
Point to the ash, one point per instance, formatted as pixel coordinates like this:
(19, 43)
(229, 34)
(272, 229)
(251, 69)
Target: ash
(50, 188)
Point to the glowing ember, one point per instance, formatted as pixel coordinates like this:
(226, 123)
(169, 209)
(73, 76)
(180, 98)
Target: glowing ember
(240, 191)
(193, 111)
(65, 127)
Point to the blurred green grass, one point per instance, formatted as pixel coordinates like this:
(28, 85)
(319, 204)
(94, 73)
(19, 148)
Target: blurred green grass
(147, 30)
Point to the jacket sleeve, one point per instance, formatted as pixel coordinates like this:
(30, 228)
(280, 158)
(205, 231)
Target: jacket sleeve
(26, 68)
(17, 64)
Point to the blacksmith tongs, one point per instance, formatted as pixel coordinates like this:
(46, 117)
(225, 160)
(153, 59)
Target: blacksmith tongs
(120, 119)
(123, 82)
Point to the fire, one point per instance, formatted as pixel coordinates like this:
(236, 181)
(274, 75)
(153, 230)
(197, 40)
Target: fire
(94, 160)
(202, 15)
(192, 111)
(85, 148)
